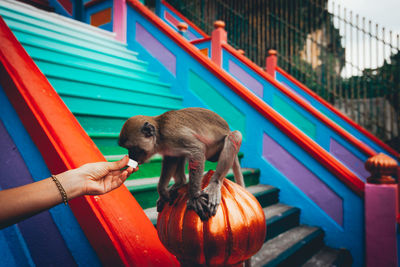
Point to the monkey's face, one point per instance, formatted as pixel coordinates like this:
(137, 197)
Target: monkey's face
(138, 135)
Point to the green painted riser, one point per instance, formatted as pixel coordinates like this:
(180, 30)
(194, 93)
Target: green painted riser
(63, 29)
(69, 73)
(45, 54)
(79, 51)
(74, 89)
(147, 195)
(139, 96)
(153, 169)
(39, 54)
(94, 107)
(37, 35)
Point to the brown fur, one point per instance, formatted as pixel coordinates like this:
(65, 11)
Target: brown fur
(193, 134)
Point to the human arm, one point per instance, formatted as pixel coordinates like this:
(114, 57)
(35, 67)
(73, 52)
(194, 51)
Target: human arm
(90, 179)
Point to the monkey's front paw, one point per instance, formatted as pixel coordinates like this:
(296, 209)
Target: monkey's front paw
(174, 193)
(161, 203)
(199, 205)
(213, 191)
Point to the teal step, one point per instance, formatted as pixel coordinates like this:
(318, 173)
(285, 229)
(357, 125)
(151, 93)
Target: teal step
(69, 87)
(41, 54)
(123, 67)
(110, 109)
(152, 168)
(35, 32)
(11, 10)
(65, 72)
(145, 189)
(92, 52)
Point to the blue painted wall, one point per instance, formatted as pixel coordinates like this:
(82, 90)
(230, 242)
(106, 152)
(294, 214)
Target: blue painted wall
(51, 237)
(350, 234)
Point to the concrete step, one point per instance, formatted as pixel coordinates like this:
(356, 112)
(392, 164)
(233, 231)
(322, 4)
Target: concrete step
(280, 218)
(291, 248)
(330, 257)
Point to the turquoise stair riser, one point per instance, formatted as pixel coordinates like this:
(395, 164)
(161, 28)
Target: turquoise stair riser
(49, 44)
(69, 88)
(59, 26)
(66, 72)
(152, 168)
(93, 123)
(95, 107)
(61, 39)
(109, 146)
(139, 90)
(37, 52)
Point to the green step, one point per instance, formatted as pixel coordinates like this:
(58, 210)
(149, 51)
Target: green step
(83, 61)
(31, 35)
(65, 72)
(152, 168)
(145, 190)
(30, 39)
(86, 107)
(68, 87)
(59, 24)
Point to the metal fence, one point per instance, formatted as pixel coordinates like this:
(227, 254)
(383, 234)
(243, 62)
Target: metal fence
(348, 60)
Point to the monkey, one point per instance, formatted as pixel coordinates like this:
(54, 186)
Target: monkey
(191, 134)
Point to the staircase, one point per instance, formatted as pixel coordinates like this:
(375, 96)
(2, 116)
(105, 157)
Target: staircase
(103, 84)
(287, 243)
(99, 79)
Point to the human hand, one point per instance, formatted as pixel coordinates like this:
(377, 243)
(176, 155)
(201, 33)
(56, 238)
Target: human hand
(95, 178)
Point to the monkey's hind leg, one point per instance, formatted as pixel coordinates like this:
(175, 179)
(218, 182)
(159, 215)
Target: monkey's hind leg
(180, 180)
(227, 159)
(169, 165)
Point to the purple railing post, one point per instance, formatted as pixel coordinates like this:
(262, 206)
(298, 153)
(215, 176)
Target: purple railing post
(218, 38)
(119, 20)
(381, 209)
(271, 62)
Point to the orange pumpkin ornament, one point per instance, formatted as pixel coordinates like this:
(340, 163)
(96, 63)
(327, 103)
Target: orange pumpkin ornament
(230, 237)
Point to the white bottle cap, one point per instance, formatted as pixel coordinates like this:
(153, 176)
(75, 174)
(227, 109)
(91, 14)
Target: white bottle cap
(132, 163)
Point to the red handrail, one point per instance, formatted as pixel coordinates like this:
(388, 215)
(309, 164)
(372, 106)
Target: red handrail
(301, 102)
(191, 24)
(338, 113)
(317, 152)
(114, 223)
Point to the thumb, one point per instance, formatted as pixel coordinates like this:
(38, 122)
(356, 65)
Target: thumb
(117, 165)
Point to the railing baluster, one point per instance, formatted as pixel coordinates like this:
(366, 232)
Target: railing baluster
(347, 62)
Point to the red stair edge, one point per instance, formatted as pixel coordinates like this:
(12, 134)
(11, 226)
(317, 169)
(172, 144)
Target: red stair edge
(327, 160)
(338, 113)
(110, 221)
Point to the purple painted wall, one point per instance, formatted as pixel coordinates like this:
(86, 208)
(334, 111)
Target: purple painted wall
(155, 48)
(304, 179)
(44, 241)
(348, 159)
(246, 79)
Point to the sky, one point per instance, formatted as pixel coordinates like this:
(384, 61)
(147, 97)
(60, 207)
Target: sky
(385, 13)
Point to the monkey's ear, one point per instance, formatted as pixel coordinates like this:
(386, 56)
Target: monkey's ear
(148, 129)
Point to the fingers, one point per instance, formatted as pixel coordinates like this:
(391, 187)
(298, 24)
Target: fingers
(117, 165)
